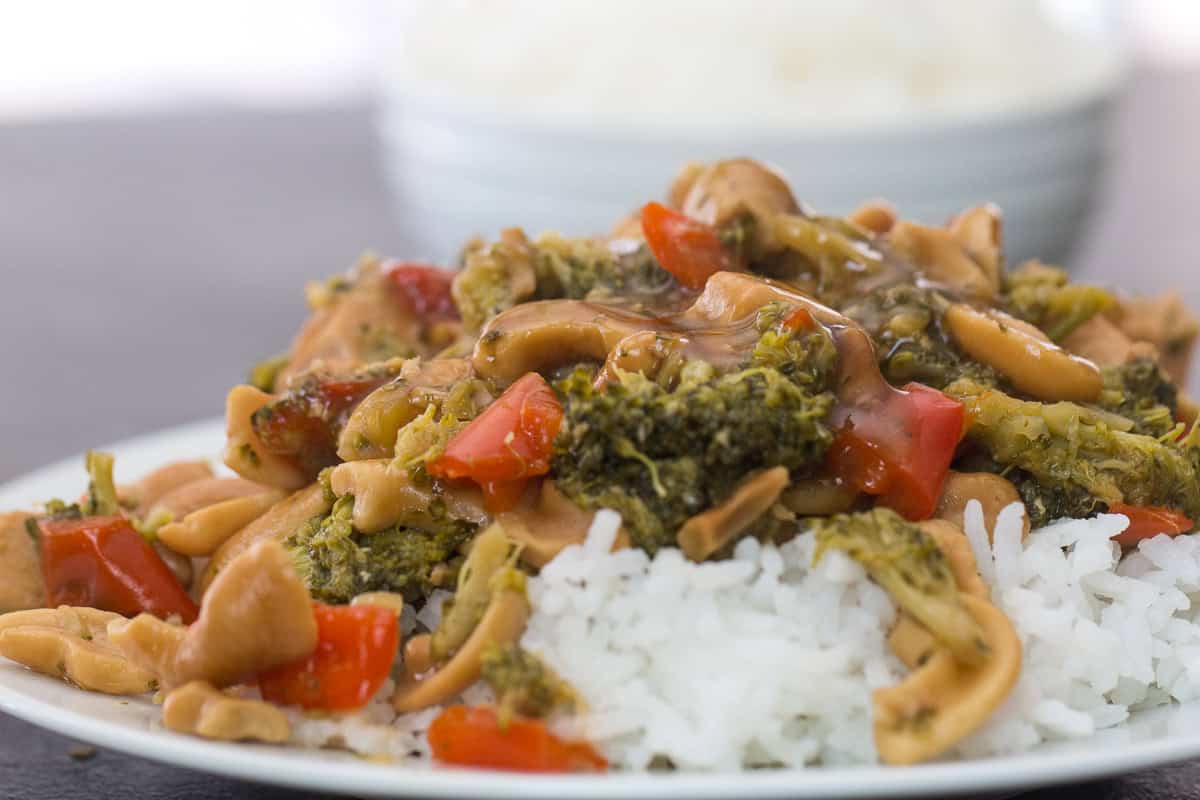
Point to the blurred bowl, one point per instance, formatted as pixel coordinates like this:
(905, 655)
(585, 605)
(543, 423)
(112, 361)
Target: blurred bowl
(459, 170)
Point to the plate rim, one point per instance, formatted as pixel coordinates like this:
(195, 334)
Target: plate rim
(993, 774)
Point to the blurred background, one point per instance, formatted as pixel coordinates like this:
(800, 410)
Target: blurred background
(172, 173)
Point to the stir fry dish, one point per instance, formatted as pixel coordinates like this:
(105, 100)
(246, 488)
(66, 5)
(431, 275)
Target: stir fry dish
(524, 514)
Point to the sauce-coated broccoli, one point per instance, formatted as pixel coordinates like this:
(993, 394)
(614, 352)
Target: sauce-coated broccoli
(1044, 296)
(660, 456)
(1071, 459)
(523, 684)
(337, 562)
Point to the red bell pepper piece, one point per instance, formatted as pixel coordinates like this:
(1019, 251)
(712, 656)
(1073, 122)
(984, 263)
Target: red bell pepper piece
(900, 448)
(356, 646)
(509, 443)
(102, 562)
(688, 249)
(474, 737)
(1146, 522)
(304, 423)
(427, 289)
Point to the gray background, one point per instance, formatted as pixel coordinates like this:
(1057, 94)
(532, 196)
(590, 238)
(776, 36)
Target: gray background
(147, 262)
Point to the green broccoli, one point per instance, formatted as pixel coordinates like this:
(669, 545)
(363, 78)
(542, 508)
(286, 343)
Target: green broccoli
(1044, 296)
(264, 374)
(907, 562)
(809, 358)
(101, 492)
(1141, 392)
(514, 270)
(1075, 459)
(905, 323)
(523, 684)
(337, 562)
(660, 456)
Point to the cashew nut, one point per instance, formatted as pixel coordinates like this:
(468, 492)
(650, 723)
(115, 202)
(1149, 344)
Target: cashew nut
(193, 496)
(244, 451)
(389, 600)
(257, 615)
(502, 624)
(146, 492)
(995, 493)
(21, 583)
(1165, 322)
(201, 710)
(203, 531)
(281, 521)
(818, 497)
(72, 644)
(384, 496)
(945, 700)
(709, 531)
(1035, 366)
(371, 430)
(978, 230)
(942, 258)
(876, 216)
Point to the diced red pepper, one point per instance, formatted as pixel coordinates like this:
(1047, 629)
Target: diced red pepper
(356, 646)
(427, 289)
(799, 319)
(1146, 522)
(900, 448)
(102, 562)
(304, 423)
(509, 443)
(688, 249)
(474, 737)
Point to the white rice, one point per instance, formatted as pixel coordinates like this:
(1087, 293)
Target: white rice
(766, 659)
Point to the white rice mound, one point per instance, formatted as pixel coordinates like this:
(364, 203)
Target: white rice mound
(766, 659)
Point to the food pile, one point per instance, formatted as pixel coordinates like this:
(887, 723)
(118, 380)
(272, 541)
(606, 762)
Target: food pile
(737, 485)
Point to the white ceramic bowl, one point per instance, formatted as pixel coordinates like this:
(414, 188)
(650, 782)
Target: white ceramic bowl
(459, 170)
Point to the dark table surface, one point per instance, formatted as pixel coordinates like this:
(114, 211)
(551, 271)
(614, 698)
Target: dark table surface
(147, 261)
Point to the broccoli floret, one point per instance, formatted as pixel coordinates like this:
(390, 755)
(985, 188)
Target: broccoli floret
(1141, 392)
(523, 684)
(907, 562)
(264, 374)
(808, 358)
(587, 268)
(660, 456)
(337, 562)
(1044, 296)
(514, 270)
(905, 323)
(1075, 459)
(101, 491)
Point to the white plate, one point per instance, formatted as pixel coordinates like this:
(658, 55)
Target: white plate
(131, 726)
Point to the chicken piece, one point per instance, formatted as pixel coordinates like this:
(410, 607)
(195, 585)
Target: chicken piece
(73, 644)
(1166, 323)
(256, 616)
(21, 584)
(725, 191)
(1100, 340)
(200, 709)
(245, 453)
(360, 321)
